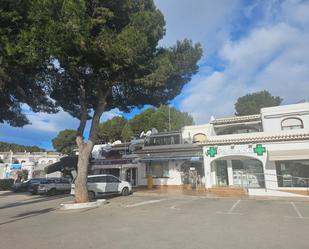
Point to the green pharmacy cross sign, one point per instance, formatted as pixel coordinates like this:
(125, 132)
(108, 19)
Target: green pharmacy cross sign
(259, 150)
(212, 152)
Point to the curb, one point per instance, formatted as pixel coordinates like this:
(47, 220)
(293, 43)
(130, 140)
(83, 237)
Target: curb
(74, 206)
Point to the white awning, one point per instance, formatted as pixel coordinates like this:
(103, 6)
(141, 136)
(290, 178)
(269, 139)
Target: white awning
(282, 155)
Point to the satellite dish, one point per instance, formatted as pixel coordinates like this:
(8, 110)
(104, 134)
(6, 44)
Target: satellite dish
(142, 134)
(154, 131)
(148, 133)
(116, 142)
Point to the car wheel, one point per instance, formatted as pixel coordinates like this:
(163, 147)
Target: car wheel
(125, 191)
(91, 195)
(52, 191)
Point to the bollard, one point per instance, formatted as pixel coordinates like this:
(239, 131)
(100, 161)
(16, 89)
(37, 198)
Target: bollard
(149, 182)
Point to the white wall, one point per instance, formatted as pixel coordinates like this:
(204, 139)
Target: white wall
(189, 131)
(2, 170)
(173, 179)
(273, 116)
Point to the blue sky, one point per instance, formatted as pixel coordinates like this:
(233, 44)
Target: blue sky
(248, 46)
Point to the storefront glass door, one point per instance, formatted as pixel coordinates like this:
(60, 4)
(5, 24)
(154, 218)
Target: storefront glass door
(131, 176)
(221, 173)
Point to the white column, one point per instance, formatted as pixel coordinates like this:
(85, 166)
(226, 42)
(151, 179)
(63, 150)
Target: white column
(207, 170)
(230, 172)
(270, 172)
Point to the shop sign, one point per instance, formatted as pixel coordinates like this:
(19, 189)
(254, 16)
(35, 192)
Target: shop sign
(235, 150)
(212, 152)
(259, 150)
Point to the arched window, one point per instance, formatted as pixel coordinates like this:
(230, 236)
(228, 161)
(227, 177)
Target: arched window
(239, 129)
(292, 124)
(199, 138)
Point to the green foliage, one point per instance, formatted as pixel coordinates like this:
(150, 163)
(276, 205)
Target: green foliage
(96, 55)
(142, 121)
(126, 134)
(64, 142)
(111, 46)
(159, 119)
(6, 184)
(252, 103)
(118, 128)
(4, 147)
(111, 130)
(22, 64)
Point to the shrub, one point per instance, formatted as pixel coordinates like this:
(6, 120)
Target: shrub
(6, 184)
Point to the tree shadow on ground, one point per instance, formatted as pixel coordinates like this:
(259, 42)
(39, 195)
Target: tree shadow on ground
(33, 201)
(110, 196)
(27, 215)
(10, 193)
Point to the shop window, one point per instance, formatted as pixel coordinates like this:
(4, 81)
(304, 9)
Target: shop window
(239, 129)
(163, 140)
(114, 172)
(292, 124)
(248, 172)
(192, 172)
(157, 169)
(293, 173)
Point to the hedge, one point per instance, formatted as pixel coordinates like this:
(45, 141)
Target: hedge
(6, 184)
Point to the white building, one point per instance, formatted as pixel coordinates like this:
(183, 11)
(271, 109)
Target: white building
(34, 163)
(267, 151)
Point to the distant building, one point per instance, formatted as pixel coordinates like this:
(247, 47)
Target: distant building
(34, 163)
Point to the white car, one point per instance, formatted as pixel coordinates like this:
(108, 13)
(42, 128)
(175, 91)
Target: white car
(99, 185)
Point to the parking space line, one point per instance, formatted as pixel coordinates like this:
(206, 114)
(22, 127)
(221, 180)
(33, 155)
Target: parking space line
(231, 210)
(174, 207)
(296, 210)
(143, 203)
(234, 206)
(299, 215)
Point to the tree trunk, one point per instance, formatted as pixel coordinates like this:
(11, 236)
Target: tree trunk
(85, 149)
(81, 192)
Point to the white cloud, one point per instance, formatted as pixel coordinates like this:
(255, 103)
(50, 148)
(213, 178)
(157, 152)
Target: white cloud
(109, 115)
(273, 56)
(44, 127)
(207, 22)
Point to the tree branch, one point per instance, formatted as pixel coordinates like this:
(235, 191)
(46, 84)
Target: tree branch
(83, 116)
(97, 115)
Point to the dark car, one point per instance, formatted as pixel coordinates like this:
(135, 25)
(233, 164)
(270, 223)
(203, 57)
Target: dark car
(21, 186)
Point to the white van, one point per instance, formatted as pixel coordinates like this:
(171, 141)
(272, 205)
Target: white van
(99, 185)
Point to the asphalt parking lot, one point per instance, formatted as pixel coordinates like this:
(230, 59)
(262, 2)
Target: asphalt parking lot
(154, 221)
